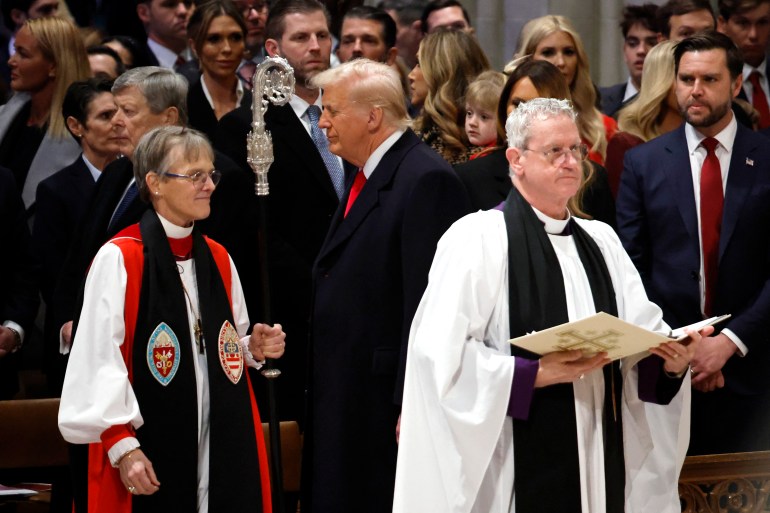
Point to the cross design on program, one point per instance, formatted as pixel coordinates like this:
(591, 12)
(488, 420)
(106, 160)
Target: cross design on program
(590, 340)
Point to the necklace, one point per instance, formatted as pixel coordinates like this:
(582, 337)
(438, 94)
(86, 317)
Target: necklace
(198, 325)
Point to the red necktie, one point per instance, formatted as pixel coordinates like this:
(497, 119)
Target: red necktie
(358, 184)
(759, 100)
(711, 199)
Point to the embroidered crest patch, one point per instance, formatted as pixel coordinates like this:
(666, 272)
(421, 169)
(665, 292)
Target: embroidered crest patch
(163, 354)
(230, 352)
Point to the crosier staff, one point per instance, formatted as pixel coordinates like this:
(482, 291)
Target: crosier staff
(273, 83)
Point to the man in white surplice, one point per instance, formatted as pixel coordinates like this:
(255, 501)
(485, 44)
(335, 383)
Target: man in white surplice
(464, 393)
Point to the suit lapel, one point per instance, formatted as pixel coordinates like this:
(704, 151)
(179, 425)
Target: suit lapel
(376, 186)
(9, 111)
(740, 180)
(679, 173)
(286, 120)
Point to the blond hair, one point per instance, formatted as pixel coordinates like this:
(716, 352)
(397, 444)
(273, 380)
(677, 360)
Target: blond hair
(60, 42)
(484, 91)
(590, 123)
(450, 60)
(642, 116)
(373, 84)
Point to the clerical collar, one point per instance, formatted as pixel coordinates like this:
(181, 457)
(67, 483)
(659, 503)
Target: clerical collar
(173, 231)
(553, 226)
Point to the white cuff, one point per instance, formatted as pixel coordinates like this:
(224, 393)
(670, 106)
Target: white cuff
(735, 339)
(14, 326)
(248, 357)
(120, 448)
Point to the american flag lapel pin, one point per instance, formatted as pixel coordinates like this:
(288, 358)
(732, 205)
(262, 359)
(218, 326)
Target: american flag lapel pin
(749, 162)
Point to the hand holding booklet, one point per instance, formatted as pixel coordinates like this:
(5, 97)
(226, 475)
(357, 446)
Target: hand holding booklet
(603, 332)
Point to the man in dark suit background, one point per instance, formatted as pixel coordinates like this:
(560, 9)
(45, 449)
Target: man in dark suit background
(368, 280)
(18, 292)
(640, 34)
(165, 22)
(62, 198)
(747, 23)
(302, 197)
(694, 215)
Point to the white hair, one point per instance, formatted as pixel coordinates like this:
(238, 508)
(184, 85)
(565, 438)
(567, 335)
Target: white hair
(519, 122)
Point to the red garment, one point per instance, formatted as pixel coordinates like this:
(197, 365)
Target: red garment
(610, 127)
(106, 491)
(617, 147)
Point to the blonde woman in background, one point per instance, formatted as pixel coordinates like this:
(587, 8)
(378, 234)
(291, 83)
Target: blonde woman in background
(654, 111)
(554, 39)
(34, 141)
(447, 61)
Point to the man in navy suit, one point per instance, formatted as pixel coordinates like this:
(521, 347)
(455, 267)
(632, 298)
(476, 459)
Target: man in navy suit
(694, 215)
(367, 281)
(747, 23)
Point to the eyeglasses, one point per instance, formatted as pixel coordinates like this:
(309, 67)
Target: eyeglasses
(200, 178)
(557, 156)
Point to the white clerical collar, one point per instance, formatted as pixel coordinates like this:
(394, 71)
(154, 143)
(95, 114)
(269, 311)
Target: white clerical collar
(552, 226)
(374, 159)
(238, 93)
(94, 171)
(166, 57)
(726, 137)
(173, 231)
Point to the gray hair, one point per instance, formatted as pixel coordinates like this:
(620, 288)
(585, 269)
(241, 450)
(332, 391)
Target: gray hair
(519, 122)
(161, 87)
(155, 152)
(371, 83)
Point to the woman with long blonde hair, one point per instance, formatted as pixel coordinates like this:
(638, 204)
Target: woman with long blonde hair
(554, 39)
(654, 111)
(34, 141)
(448, 60)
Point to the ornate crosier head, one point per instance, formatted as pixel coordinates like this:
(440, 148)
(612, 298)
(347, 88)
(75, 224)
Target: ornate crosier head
(273, 83)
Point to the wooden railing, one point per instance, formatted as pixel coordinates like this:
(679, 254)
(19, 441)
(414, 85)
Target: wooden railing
(726, 483)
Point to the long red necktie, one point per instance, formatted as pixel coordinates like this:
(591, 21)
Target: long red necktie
(711, 200)
(358, 184)
(759, 100)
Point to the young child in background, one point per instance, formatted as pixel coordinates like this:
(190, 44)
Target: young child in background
(481, 100)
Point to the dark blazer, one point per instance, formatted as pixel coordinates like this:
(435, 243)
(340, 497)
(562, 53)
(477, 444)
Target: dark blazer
(368, 280)
(300, 207)
(18, 292)
(488, 182)
(61, 203)
(201, 115)
(612, 98)
(658, 226)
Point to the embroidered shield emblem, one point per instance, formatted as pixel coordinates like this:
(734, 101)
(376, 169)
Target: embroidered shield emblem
(163, 354)
(230, 352)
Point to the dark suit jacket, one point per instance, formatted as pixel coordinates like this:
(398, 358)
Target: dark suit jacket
(368, 280)
(488, 182)
(201, 115)
(18, 292)
(300, 206)
(61, 203)
(658, 226)
(612, 98)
